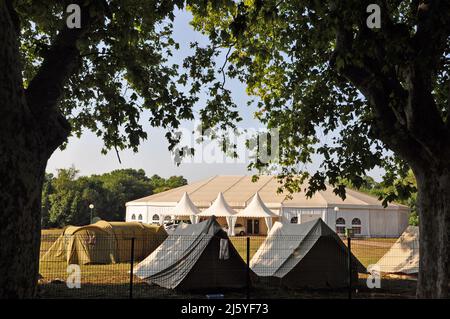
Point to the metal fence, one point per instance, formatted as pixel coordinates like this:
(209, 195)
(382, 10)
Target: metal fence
(103, 266)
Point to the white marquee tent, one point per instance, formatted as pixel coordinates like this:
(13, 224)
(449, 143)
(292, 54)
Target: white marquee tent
(186, 207)
(256, 209)
(220, 208)
(358, 210)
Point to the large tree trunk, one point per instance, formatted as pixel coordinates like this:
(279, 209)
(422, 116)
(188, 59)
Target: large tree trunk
(23, 158)
(31, 128)
(433, 205)
(20, 204)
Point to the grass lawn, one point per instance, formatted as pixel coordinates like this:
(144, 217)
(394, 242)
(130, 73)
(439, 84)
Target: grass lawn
(240, 243)
(370, 251)
(381, 240)
(368, 255)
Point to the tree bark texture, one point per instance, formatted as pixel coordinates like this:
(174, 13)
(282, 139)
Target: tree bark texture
(22, 168)
(433, 205)
(31, 128)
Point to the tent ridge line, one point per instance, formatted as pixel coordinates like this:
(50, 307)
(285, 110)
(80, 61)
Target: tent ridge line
(323, 197)
(205, 183)
(240, 179)
(259, 189)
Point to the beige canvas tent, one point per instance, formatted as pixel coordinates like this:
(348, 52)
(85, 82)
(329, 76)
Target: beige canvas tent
(403, 256)
(197, 256)
(104, 243)
(308, 255)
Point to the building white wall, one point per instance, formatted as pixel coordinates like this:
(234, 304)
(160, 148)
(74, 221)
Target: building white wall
(136, 211)
(147, 212)
(403, 220)
(374, 222)
(349, 215)
(378, 223)
(303, 214)
(388, 223)
(329, 216)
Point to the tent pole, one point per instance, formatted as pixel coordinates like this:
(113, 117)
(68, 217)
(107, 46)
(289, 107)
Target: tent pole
(131, 267)
(349, 261)
(248, 267)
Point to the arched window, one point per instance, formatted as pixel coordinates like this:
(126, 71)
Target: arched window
(340, 225)
(155, 218)
(167, 218)
(356, 226)
(294, 220)
(140, 217)
(133, 217)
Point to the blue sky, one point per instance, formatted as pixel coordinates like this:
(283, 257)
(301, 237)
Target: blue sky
(153, 155)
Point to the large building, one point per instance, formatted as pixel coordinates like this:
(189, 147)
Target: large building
(364, 213)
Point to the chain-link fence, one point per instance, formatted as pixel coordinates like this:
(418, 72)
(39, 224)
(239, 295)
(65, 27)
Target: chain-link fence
(206, 266)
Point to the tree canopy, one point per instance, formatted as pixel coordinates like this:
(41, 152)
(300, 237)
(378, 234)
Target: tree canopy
(332, 86)
(287, 54)
(356, 95)
(115, 67)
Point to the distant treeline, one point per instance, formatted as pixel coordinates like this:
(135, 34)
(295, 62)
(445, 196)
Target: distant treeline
(66, 197)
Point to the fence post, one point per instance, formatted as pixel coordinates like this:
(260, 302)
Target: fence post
(131, 267)
(248, 267)
(349, 262)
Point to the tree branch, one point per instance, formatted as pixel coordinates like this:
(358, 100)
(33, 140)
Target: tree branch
(222, 69)
(13, 15)
(46, 89)
(433, 29)
(403, 115)
(429, 45)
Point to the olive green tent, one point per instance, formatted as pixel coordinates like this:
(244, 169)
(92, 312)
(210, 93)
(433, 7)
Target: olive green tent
(105, 243)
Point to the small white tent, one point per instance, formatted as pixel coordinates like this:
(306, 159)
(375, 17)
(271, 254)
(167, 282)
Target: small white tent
(257, 209)
(198, 256)
(220, 208)
(403, 256)
(186, 207)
